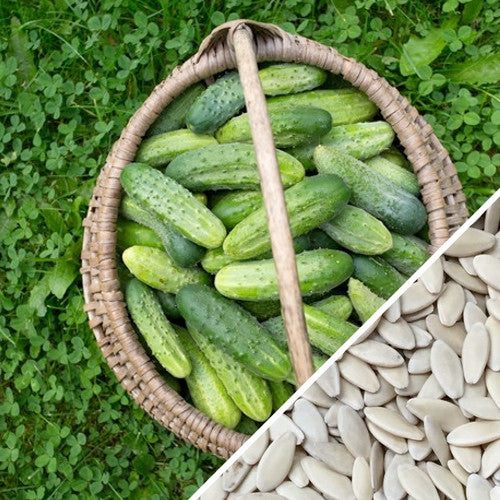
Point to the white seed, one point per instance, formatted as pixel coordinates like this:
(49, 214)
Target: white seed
(377, 353)
(457, 273)
(308, 419)
(495, 493)
(445, 413)
(291, 491)
(380, 397)
(477, 390)
(396, 376)
(431, 389)
(473, 314)
(450, 304)
(422, 337)
(361, 484)
(326, 480)
(466, 263)
(475, 433)
(350, 395)
(415, 384)
(330, 381)
(392, 487)
(423, 313)
(436, 439)
(490, 461)
(234, 476)
(253, 454)
(394, 312)
(248, 484)
(488, 269)
(477, 488)
(334, 454)
(317, 396)
(260, 496)
(480, 407)
(419, 450)
(297, 474)
(433, 278)
(493, 306)
(445, 481)
(331, 415)
(420, 361)
(493, 327)
(416, 297)
(417, 483)
(453, 335)
(392, 422)
(397, 334)
(469, 457)
(358, 373)
(285, 424)
(395, 443)
(447, 369)
(472, 242)
(492, 380)
(401, 402)
(215, 492)
(376, 465)
(353, 432)
(475, 352)
(458, 471)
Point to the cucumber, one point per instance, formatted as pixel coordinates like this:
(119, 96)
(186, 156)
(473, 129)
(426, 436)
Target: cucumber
(168, 305)
(395, 156)
(319, 271)
(319, 239)
(246, 426)
(398, 175)
(304, 153)
(146, 311)
(325, 332)
(155, 268)
(173, 116)
(310, 202)
(407, 254)
(347, 105)
(281, 393)
(358, 231)
(130, 233)
(263, 309)
(398, 210)
(338, 306)
(163, 148)
(290, 126)
(171, 203)
(224, 99)
(249, 392)
(183, 252)
(202, 198)
(222, 322)
(378, 275)
(206, 389)
(228, 166)
(365, 302)
(234, 207)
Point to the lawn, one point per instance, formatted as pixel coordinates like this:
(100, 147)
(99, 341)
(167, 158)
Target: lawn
(72, 72)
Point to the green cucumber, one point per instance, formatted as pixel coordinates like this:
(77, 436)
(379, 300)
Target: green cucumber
(146, 311)
(202, 198)
(173, 116)
(319, 239)
(224, 99)
(398, 210)
(364, 301)
(325, 332)
(228, 166)
(310, 202)
(407, 254)
(155, 268)
(338, 306)
(163, 148)
(246, 426)
(263, 309)
(171, 203)
(234, 207)
(378, 275)
(358, 231)
(183, 252)
(205, 387)
(304, 153)
(399, 175)
(130, 233)
(168, 304)
(319, 271)
(222, 322)
(395, 156)
(249, 392)
(290, 126)
(281, 393)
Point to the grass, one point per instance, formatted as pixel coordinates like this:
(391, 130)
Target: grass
(72, 72)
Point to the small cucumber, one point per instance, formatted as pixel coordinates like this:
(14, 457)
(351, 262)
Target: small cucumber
(319, 271)
(146, 311)
(206, 389)
(399, 175)
(228, 166)
(310, 202)
(290, 126)
(202, 198)
(281, 393)
(378, 275)
(407, 254)
(365, 302)
(395, 156)
(249, 392)
(398, 210)
(319, 239)
(222, 320)
(173, 204)
(234, 207)
(263, 309)
(358, 231)
(173, 116)
(155, 268)
(163, 148)
(247, 426)
(168, 304)
(130, 233)
(338, 306)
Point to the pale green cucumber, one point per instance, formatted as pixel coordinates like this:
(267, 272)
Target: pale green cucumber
(399, 175)
(155, 268)
(364, 301)
(145, 309)
(310, 202)
(338, 306)
(234, 207)
(407, 254)
(130, 233)
(358, 231)
(249, 392)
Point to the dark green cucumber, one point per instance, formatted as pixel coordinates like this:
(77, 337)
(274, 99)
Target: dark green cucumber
(168, 304)
(222, 322)
(173, 116)
(171, 203)
(130, 233)
(319, 239)
(249, 392)
(364, 301)
(234, 207)
(183, 252)
(319, 271)
(224, 99)
(146, 311)
(399, 175)
(290, 126)
(407, 254)
(358, 231)
(155, 268)
(163, 148)
(281, 393)
(310, 202)
(263, 309)
(378, 275)
(398, 210)
(205, 387)
(228, 166)
(247, 426)
(338, 306)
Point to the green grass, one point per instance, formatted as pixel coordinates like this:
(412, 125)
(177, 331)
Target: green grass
(72, 72)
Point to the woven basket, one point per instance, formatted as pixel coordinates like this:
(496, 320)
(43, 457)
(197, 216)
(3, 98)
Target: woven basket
(108, 317)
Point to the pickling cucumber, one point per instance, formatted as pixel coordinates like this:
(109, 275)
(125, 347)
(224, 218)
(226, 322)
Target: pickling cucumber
(130, 233)
(338, 306)
(281, 392)
(399, 175)
(407, 254)
(168, 304)
(364, 301)
(263, 309)
(234, 207)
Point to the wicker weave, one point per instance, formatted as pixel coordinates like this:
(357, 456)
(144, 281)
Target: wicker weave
(441, 192)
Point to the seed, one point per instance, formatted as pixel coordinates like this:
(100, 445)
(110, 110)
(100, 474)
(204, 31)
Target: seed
(490, 460)
(376, 465)
(466, 263)
(493, 327)
(462, 277)
(475, 433)
(333, 454)
(447, 369)
(469, 457)
(297, 474)
(397, 334)
(317, 396)
(488, 269)
(376, 353)
(477, 488)
(285, 424)
(395, 443)
(475, 353)
(445, 481)
(419, 450)
(350, 395)
(309, 421)
(394, 312)
(233, 476)
(417, 483)
(293, 492)
(420, 361)
(215, 492)
(358, 373)
(480, 407)
(446, 414)
(396, 376)
(330, 381)
(253, 454)
(392, 422)
(493, 306)
(450, 304)
(417, 297)
(472, 242)
(458, 471)
(454, 335)
(248, 484)
(380, 397)
(326, 480)
(353, 432)
(473, 314)
(433, 278)
(431, 389)
(436, 439)
(361, 484)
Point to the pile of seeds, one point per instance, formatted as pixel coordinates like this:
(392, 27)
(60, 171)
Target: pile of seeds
(411, 410)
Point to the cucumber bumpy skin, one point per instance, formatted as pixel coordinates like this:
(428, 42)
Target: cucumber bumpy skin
(364, 301)
(130, 233)
(171, 203)
(310, 202)
(338, 306)
(234, 330)
(401, 176)
(234, 207)
(407, 254)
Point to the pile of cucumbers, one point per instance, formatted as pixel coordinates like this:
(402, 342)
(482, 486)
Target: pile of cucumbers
(200, 282)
